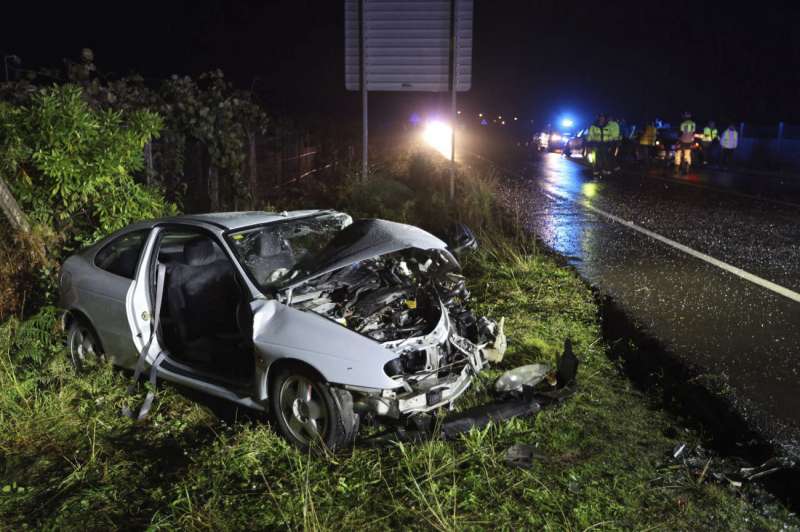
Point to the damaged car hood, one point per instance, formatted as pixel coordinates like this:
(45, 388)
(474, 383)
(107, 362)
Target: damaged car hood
(362, 240)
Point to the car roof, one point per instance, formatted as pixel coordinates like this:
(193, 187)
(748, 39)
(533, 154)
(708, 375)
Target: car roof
(236, 220)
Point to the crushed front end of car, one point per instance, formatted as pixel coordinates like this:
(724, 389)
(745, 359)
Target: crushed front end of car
(415, 303)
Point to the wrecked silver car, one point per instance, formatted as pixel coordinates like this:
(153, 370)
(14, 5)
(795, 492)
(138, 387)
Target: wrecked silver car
(320, 320)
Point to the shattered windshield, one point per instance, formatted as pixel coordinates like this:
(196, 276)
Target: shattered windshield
(272, 253)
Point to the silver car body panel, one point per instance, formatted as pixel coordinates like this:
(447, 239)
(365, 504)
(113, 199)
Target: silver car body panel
(380, 237)
(337, 353)
(95, 293)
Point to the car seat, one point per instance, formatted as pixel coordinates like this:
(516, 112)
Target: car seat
(202, 297)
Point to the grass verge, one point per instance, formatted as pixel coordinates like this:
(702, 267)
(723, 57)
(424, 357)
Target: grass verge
(69, 461)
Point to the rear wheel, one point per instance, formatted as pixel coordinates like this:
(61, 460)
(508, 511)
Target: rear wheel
(309, 412)
(84, 348)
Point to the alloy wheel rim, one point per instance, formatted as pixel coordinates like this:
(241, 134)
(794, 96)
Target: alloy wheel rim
(82, 348)
(302, 409)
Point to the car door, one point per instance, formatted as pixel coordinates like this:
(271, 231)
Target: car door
(140, 304)
(106, 291)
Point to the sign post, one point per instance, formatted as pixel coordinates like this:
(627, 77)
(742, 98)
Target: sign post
(408, 45)
(364, 96)
(453, 82)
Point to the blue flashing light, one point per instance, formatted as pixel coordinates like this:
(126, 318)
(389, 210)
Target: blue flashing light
(567, 122)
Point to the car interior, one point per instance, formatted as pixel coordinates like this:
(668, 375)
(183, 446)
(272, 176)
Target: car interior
(206, 321)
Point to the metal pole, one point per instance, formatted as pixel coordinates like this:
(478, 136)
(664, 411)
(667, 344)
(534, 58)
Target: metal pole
(364, 90)
(453, 84)
(741, 139)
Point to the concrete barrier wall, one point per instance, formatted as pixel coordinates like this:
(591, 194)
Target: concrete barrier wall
(770, 147)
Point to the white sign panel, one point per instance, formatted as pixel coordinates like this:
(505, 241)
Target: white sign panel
(407, 45)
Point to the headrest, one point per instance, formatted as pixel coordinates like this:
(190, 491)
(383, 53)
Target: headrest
(269, 245)
(199, 252)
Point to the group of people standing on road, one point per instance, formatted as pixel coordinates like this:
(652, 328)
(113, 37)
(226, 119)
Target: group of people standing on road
(710, 144)
(605, 137)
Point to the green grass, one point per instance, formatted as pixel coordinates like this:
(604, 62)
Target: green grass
(68, 460)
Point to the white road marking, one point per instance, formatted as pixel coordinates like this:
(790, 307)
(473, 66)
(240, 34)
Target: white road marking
(769, 285)
(755, 279)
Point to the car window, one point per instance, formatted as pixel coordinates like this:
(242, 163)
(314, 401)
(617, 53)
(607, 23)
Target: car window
(270, 253)
(121, 255)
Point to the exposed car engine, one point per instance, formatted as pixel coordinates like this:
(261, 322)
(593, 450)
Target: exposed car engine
(397, 297)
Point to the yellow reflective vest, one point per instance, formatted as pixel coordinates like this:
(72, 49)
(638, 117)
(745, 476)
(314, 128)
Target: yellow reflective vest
(730, 139)
(688, 127)
(601, 134)
(709, 134)
(648, 137)
(613, 130)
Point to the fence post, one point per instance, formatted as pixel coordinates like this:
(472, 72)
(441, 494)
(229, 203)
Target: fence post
(213, 188)
(741, 139)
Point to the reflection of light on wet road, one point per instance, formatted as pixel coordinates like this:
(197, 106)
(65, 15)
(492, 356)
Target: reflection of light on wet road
(709, 271)
(563, 227)
(562, 177)
(589, 190)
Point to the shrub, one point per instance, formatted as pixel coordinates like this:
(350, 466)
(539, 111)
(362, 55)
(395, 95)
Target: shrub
(69, 165)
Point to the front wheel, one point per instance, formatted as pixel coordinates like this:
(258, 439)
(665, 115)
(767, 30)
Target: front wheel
(309, 412)
(84, 348)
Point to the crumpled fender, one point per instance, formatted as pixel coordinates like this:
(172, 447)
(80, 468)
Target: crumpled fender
(340, 355)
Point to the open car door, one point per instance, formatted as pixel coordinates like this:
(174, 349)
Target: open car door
(140, 303)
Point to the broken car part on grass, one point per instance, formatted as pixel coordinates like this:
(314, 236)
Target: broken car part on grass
(322, 321)
(705, 465)
(525, 397)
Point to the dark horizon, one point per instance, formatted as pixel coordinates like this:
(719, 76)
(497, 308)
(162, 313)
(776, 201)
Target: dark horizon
(633, 60)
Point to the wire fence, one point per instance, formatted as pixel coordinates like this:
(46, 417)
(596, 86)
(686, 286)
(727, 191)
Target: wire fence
(272, 163)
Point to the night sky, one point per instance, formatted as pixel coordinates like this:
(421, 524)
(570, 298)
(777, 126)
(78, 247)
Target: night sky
(535, 59)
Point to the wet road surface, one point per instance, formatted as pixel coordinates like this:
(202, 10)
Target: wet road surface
(711, 318)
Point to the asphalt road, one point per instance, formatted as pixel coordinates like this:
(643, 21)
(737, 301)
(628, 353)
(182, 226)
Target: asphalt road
(710, 267)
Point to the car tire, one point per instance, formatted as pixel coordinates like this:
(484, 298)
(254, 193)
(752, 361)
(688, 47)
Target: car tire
(308, 412)
(84, 348)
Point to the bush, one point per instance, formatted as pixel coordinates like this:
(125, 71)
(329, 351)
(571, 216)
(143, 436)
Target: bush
(414, 188)
(69, 165)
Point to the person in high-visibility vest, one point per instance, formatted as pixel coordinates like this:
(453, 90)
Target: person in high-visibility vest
(683, 153)
(708, 140)
(647, 140)
(729, 142)
(613, 143)
(596, 138)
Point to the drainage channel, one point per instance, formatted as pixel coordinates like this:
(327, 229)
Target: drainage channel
(682, 391)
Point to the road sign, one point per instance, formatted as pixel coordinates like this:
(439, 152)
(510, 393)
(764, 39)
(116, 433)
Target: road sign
(407, 44)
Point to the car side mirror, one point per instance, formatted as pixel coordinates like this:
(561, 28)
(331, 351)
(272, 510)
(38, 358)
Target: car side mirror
(460, 239)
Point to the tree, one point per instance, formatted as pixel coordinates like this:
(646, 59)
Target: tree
(69, 165)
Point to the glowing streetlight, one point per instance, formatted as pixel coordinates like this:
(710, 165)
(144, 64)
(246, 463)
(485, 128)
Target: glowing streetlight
(439, 136)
